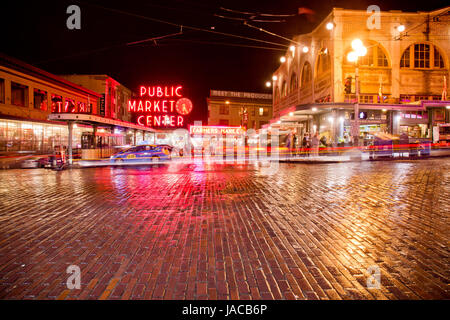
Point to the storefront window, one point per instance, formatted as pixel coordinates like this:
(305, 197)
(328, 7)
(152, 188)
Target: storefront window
(40, 99)
(3, 135)
(19, 94)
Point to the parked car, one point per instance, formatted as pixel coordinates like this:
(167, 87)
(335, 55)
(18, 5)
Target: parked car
(143, 153)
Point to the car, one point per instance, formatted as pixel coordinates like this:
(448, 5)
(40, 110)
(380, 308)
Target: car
(143, 153)
(34, 162)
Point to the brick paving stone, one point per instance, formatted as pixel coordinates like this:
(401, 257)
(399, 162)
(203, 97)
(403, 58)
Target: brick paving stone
(227, 232)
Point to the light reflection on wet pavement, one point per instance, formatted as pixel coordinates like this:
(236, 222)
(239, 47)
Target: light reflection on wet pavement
(210, 231)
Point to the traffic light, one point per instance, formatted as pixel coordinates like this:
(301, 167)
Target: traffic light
(348, 85)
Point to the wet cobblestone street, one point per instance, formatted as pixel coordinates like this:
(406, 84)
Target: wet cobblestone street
(193, 231)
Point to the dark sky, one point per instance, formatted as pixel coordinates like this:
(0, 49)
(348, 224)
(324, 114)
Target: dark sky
(36, 32)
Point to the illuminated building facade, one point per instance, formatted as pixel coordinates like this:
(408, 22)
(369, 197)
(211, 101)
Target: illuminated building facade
(402, 77)
(246, 109)
(40, 111)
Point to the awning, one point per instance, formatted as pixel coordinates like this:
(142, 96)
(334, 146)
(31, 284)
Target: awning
(96, 120)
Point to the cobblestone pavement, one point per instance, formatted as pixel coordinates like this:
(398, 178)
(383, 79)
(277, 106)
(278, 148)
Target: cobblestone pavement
(227, 231)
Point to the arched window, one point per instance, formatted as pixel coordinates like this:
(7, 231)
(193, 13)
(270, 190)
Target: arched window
(323, 62)
(375, 56)
(293, 83)
(306, 74)
(422, 56)
(284, 89)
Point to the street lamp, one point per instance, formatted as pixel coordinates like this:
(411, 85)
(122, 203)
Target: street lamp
(268, 84)
(330, 26)
(274, 78)
(283, 59)
(359, 50)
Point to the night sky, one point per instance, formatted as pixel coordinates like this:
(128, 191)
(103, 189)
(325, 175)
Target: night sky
(36, 32)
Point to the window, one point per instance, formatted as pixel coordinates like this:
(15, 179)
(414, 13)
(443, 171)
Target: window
(375, 56)
(323, 62)
(40, 99)
(70, 106)
(438, 61)
(367, 60)
(223, 122)
(56, 103)
(284, 89)
(224, 110)
(19, 94)
(381, 58)
(294, 82)
(404, 62)
(2, 90)
(263, 112)
(422, 56)
(306, 74)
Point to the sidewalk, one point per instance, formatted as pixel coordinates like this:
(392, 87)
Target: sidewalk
(362, 156)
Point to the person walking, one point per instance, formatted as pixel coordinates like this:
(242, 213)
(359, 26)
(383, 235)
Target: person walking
(315, 144)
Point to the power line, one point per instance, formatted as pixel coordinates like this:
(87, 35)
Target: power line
(184, 26)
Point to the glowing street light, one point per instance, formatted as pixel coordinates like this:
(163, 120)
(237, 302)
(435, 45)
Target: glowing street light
(268, 84)
(357, 43)
(305, 49)
(274, 78)
(283, 59)
(292, 48)
(314, 109)
(401, 28)
(330, 26)
(352, 56)
(359, 50)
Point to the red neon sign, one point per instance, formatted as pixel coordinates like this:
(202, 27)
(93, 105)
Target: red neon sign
(160, 106)
(216, 130)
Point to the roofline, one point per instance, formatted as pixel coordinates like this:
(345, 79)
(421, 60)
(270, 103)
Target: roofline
(22, 66)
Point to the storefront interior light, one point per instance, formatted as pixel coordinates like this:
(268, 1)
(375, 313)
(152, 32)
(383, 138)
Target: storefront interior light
(291, 114)
(447, 107)
(341, 119)
(227, 102)
(314, 109)
(330, 119)
(384, 110)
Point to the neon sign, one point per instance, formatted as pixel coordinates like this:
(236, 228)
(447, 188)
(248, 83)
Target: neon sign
(160, 106)
(216, 130)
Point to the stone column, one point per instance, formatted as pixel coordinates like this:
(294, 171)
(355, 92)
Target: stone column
(69, 142)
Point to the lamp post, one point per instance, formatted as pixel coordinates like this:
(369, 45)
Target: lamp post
(358, 51)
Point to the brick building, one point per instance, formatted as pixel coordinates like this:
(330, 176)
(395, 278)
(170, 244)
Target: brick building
(401, 77)
(246, 109)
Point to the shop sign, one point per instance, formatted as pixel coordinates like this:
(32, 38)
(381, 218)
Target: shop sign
(216, 130)
(160, 106)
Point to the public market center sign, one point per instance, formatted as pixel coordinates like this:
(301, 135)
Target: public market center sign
(160, 106)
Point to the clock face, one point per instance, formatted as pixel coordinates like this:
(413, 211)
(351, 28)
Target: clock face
(184, 106)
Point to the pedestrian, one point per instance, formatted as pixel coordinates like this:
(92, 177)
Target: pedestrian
(315, 144)
(305, 144)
